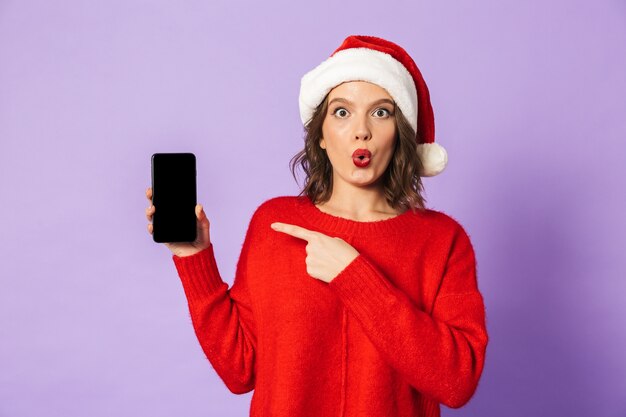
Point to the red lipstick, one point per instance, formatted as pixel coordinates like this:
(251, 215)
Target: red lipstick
(361, 157)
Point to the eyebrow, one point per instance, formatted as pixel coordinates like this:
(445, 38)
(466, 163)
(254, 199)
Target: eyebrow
(343, 100)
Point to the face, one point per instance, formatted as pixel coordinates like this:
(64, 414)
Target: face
(360, 116)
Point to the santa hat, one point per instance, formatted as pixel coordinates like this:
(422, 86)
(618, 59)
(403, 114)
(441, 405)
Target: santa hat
(376, 60)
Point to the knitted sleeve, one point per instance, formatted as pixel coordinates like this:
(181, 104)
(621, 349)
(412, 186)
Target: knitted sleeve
(440, 354)
(222, 317)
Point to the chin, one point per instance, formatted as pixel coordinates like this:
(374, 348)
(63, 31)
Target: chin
(364, 181)
(359, 177)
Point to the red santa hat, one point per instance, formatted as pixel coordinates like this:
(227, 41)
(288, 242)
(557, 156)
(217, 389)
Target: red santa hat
(376, 60)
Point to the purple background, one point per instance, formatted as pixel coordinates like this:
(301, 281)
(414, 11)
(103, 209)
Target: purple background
(529, 100)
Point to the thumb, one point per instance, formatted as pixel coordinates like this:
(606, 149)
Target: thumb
(203, 224)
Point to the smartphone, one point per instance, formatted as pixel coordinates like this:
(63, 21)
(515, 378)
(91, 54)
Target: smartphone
(174, 197)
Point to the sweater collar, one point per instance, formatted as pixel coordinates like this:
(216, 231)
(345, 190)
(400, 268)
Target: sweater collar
(341, 225)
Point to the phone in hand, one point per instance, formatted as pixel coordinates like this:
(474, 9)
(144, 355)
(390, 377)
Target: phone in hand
(174, 197)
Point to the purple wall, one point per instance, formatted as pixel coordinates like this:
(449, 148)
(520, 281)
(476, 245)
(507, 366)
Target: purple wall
(529, 100)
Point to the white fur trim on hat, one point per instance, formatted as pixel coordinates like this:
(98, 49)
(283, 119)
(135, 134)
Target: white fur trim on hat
(434, 158)
(359, 64)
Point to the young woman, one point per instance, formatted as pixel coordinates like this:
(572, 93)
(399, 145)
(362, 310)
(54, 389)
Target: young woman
(352, 298)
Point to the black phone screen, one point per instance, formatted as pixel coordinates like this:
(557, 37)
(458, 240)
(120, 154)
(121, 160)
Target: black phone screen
(174, 197)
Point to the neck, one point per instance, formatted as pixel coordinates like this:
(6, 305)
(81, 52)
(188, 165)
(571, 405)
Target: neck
(359, 203)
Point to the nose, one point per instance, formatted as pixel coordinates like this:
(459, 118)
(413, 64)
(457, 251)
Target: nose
(362, 129)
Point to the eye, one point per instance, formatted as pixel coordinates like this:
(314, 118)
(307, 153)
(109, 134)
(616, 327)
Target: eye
(382, 112)
(340, 112)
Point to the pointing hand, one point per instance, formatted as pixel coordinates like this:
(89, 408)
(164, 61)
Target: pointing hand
(326, 256)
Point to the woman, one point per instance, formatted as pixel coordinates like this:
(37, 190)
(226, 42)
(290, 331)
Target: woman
(352, 298)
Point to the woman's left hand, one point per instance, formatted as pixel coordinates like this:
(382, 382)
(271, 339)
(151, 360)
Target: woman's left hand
(326, 256)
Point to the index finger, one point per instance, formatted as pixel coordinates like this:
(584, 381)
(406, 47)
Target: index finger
(149, 193)
(293, 230)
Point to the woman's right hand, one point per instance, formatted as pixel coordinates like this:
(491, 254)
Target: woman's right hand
(203, 239)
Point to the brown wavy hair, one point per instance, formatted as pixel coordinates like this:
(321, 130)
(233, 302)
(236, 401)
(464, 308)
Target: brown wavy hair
(402, 183)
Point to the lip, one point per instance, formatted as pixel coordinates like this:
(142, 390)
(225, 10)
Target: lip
(361, 157)
(362, 152)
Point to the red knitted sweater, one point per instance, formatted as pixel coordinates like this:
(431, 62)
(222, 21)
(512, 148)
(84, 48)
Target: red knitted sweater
(400, 330)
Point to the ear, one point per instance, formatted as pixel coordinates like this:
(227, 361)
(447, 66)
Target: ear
(322, 143)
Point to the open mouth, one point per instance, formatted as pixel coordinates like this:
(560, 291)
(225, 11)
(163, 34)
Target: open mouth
(361, 161)
(361, 157)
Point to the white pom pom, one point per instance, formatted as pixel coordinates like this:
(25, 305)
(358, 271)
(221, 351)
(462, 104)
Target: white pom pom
(434, 158)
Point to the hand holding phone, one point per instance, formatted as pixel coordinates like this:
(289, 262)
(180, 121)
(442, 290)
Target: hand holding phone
(203, 240)
(173, 194)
